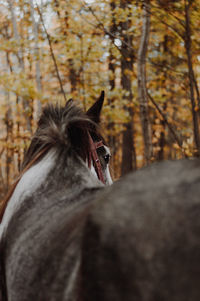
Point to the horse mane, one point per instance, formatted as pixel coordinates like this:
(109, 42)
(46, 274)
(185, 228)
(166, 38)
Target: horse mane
(60, 127)
(63, 127)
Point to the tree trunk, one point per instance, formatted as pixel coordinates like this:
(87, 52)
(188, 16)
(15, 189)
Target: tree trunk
(111, 99)
(82, 69)
(161, 142)
(127, 59)
(16, 34)
(9, 114)
(9, 130)
(142, 90)
(191, 77)
(9, 123)
(9, 142)
(37, 58)
(21, 61)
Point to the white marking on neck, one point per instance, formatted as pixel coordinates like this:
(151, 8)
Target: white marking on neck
(30, 181)
(93, 171)
(109, 180)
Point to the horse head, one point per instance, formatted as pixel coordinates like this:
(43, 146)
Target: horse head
(69, 131)
(72, 129)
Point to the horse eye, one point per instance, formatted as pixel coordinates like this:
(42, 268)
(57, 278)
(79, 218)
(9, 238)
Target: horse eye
(107, 158)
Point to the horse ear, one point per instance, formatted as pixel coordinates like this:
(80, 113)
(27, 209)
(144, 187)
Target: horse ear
(95, 110)
(69, 102)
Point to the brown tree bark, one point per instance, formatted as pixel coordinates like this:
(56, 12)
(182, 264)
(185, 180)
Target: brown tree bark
(191, 76)
(111, 100)
(8, 120)
(9, 141)
(37, 57)
(127, 58)
(142, 90)
(72, 75)
(9, 130)
(21, 62)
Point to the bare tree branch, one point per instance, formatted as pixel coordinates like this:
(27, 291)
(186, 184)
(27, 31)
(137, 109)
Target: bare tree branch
(106, 31)
(180, 35)
(170, 14)
(176, 138)
(52, 53)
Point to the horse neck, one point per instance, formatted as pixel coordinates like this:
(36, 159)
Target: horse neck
(58, 172)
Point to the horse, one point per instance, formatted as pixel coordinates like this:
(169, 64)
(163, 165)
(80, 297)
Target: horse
(66, 236)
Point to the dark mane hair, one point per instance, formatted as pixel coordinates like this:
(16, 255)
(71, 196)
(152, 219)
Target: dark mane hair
(63, 127)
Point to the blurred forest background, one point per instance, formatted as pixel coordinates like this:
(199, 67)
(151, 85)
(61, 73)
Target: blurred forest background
(144, 54)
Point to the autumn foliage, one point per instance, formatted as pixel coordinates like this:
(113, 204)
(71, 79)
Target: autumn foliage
(144, 54)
